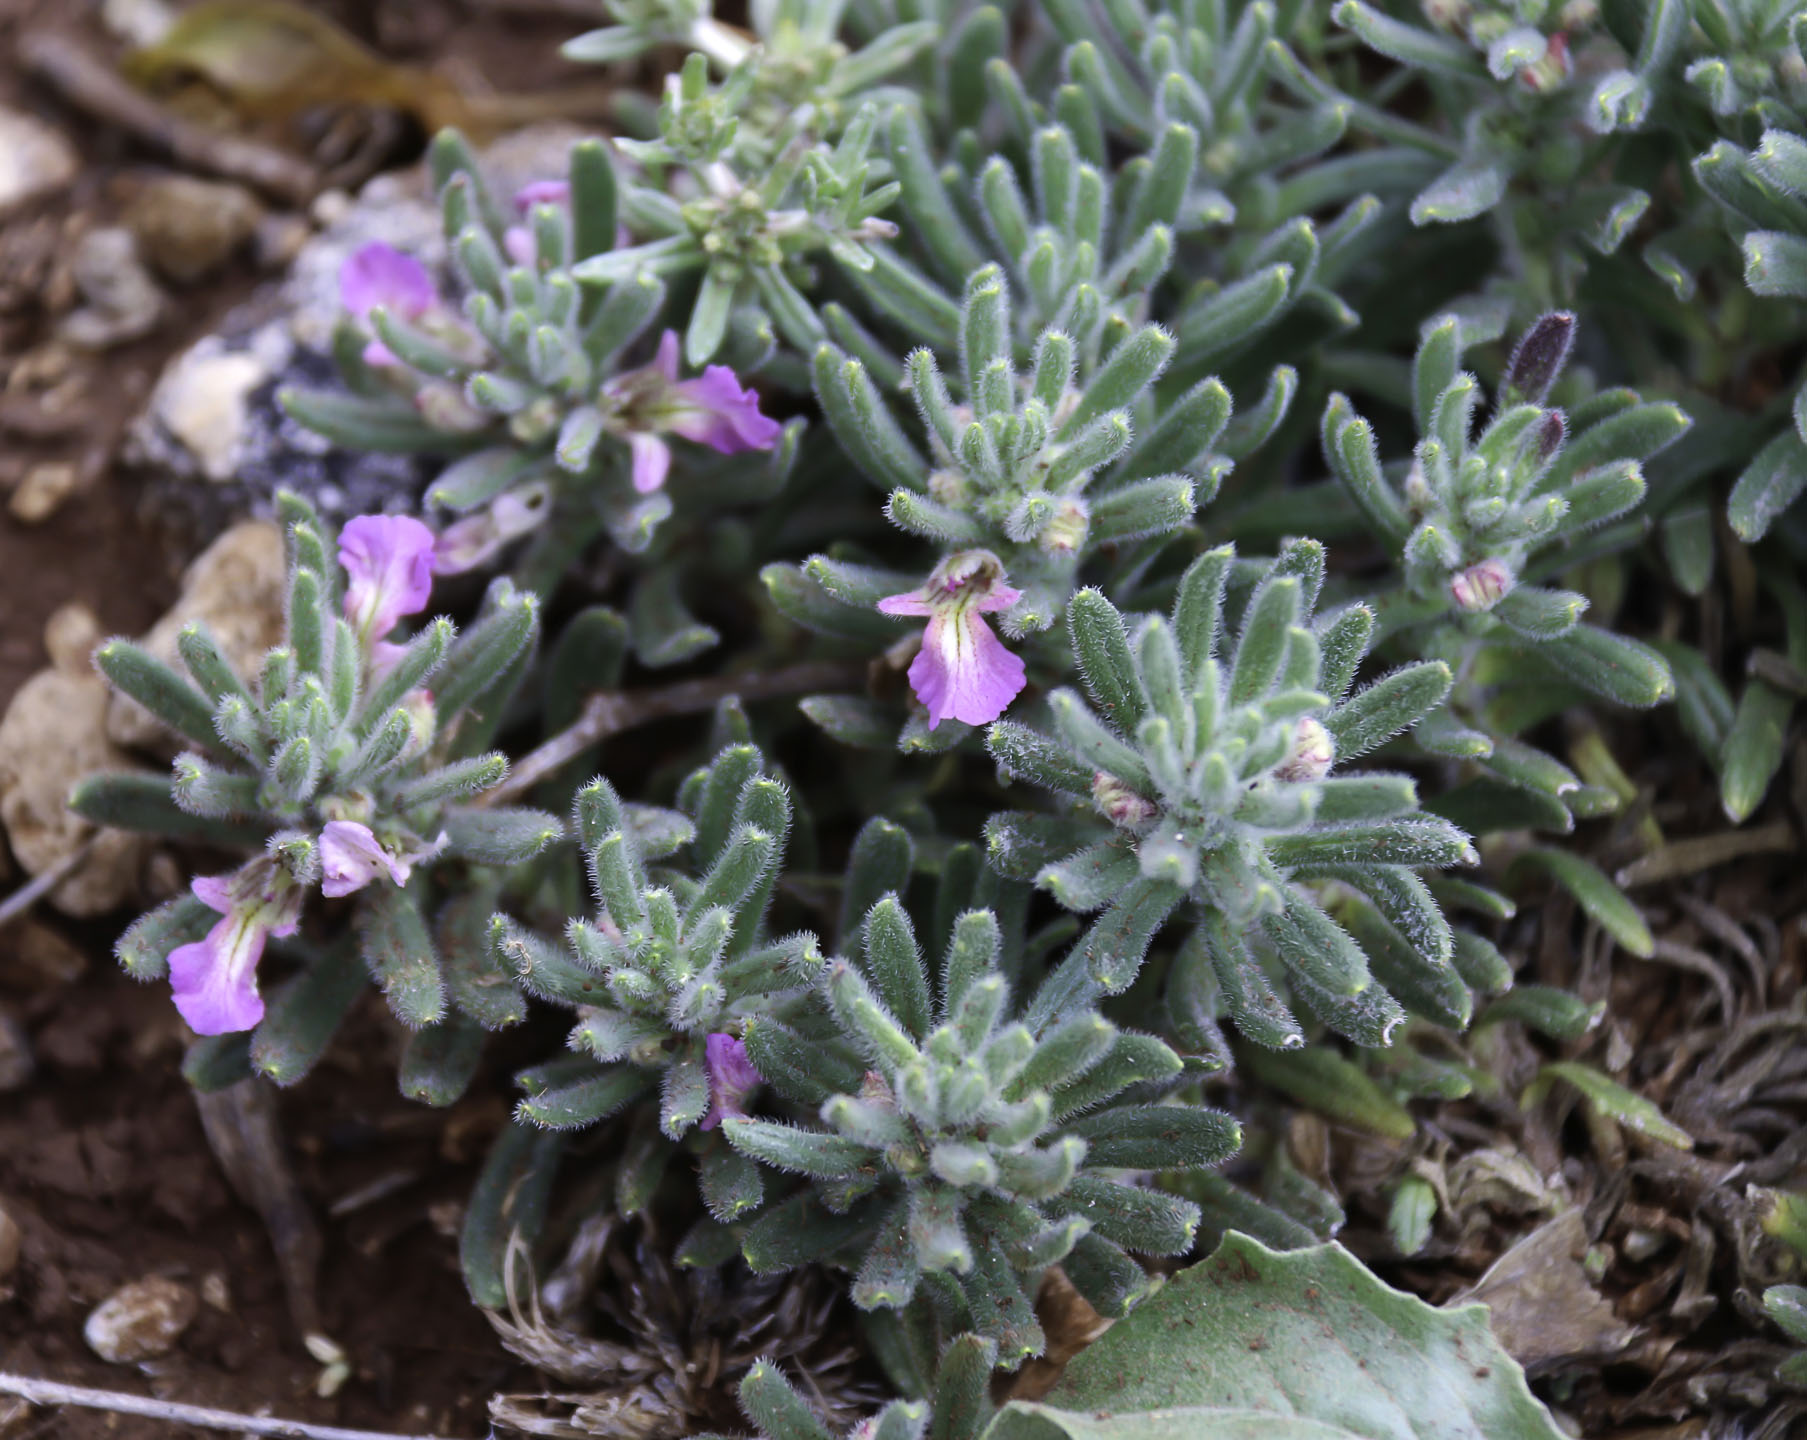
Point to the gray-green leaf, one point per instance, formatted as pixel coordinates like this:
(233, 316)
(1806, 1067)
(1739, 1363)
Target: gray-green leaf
(1218, 1353)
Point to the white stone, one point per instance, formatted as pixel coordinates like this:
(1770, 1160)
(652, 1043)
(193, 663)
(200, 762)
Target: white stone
(140, 1321)
(35, 160)
(201, 403)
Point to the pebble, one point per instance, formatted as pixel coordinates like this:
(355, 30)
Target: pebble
(53, 733)
(16, 1064)
(43, 490)
(140, 1321)
(202, 403)
(35, 160)
(137, 22)
(188, 228)
(235, 588)
(123, 302)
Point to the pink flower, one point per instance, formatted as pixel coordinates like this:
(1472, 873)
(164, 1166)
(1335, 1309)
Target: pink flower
(379, 274)
(1481, 586)
(351, 857)
(214, 980)
(476, 539)
(389, 562)
(732, 1078)
(963, 672)
(517, 240)
(712, 409)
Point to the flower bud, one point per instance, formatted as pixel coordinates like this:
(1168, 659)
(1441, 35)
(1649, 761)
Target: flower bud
(444, 407)
(537, 422)
(1065, 533)
(948, 486)
(1119, 804)
(423, 723)
(1312, 753)
(1481, 586)
(1417, 488)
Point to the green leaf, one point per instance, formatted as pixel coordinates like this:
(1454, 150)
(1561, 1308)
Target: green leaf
(1604, 902)
(1234, 1348)
(1324, 1081)
(1610, 1099)
(1775, 265)
(1753, 747)
(502, 836)
(1460, 193)
(1771, 483)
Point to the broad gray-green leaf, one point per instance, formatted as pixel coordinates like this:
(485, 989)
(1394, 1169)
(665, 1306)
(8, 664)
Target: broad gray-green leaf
(1305, 1345)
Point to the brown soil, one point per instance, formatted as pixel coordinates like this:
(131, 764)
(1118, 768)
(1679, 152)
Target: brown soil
(103, 1162)
(104, 1165)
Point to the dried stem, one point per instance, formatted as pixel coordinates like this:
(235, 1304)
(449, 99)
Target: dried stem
(1688, 857)
(51, 1392)
(608, 712)
(35, 889)
(91, 84)
(244, 1131)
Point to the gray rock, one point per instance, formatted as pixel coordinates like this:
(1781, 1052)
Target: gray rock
(140, 1321)
(188, 228)
(123, 302)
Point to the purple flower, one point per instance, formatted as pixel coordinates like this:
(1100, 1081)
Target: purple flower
(517, 240)
(351, 857)
(963, 672)
(215, 980)
(731, 1078)
(389, 562)
(379, 274)
(712, 409)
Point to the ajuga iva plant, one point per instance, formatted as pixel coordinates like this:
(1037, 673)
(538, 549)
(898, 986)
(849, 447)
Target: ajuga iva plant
(527, 370)
(1763, 195)
(936, 352)
(983, 1141)
(1201, 774)
(670, 969)
(1535, 86)
(1476, 518)
(338, 769)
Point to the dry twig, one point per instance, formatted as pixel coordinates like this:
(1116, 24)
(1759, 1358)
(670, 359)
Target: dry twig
(88, 82)
(609, 712)
(51, 1392)
(35, 889)
(1688, 857)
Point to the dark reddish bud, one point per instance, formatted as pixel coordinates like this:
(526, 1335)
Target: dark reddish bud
(1539, 359)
